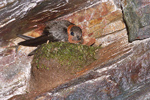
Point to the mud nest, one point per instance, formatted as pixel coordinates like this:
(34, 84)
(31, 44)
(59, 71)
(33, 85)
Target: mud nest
(66, 54)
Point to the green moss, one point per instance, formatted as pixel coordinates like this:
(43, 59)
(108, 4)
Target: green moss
(66, 54)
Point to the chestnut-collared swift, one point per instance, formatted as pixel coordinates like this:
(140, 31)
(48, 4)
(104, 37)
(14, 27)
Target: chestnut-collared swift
(55, 31)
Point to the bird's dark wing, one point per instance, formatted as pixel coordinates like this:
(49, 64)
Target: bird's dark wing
(38, 41)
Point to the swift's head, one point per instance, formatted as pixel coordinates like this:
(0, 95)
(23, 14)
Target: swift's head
(74, 34)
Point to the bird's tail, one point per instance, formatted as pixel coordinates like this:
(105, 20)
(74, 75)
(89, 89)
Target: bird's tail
(35, 41)
(25, 37)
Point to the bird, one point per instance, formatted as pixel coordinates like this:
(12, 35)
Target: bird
(55, 31)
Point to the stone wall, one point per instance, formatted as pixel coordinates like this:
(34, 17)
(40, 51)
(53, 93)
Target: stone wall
(121, 67)
(137, 18)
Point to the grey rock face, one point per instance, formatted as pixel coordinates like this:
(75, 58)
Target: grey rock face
(137, 18)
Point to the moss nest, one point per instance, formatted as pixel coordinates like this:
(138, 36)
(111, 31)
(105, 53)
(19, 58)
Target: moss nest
(66, 54)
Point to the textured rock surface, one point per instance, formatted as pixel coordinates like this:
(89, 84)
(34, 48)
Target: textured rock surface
(121, 68)
(137, 17)
(14, 72)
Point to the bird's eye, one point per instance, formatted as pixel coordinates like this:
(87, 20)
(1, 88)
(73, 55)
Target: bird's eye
(72, 33)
